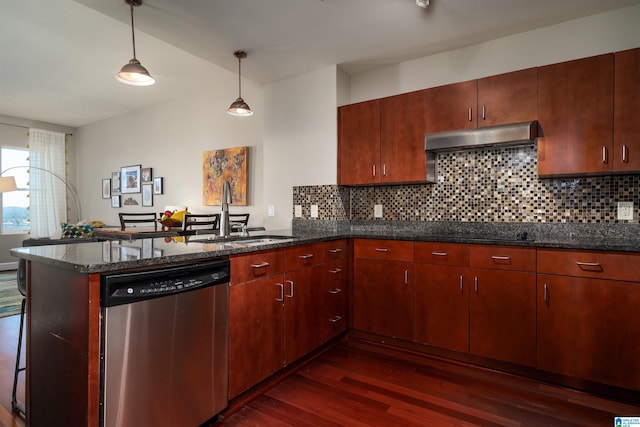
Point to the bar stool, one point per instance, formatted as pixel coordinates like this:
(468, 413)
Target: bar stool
(22, 287)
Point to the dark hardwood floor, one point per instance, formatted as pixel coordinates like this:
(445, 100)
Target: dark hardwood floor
(360, 384)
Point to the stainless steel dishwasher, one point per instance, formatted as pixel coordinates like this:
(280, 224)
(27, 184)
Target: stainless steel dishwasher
(164, 355)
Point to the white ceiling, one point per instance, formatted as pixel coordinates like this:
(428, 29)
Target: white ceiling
(58, 58)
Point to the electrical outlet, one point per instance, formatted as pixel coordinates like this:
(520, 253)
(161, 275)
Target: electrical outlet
(314, 211)
(377, 211)
(625, 211)
(271, 211)
(297, 211)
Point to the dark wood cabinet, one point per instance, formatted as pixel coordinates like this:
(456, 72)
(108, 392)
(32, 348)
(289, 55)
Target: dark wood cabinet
(495, 100)
(575, 109)
(382, 141)
(586, 326)
(502, 303)
(441, 295)
(626, 126)
(383, 288)
(334, 304)
(359, 143)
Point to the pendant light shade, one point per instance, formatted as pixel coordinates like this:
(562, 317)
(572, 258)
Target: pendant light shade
(239, 107)
(134, 73)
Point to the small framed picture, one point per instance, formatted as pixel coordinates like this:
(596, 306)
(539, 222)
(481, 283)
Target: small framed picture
(115, 182)
(130, 179)
(115, 201)
(158, 185)
(146, 174)
(106, 188)
(147, 194)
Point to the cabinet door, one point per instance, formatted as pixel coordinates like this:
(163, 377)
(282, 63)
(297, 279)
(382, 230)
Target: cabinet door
(402, 132)
(382, 297)
(359, 143)
(502, 315)
(303, 313)
(588, 329)
(575, 110)
(508, 98)
(452, 107)
(626, 126)
(255, 332)
(441, 306)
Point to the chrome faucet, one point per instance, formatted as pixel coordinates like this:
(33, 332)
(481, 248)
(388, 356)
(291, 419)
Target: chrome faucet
(225, 226)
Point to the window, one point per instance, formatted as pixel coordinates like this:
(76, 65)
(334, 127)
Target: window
(15, 204)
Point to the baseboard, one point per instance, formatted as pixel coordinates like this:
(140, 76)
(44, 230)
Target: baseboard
(7, 266)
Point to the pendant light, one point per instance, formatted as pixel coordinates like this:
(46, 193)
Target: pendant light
(239, 107)
(134, 73)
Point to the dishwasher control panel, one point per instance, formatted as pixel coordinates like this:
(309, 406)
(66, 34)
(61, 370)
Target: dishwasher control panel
(126, 288)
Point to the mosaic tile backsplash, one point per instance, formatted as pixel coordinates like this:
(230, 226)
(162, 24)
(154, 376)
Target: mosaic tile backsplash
(484, 185)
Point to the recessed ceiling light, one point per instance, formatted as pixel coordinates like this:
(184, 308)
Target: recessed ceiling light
(422, 3)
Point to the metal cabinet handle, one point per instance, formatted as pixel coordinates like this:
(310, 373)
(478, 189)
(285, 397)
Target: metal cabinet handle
(335, 291)
(292, 287)
(484, 112)
(475, 284)
(625, 153)
(588, 264)
(470, 114)
(281, 292)
(461, 280)
(306, 256)
(336, 271)
(439, 253)
(374, 170)
(335, 319)
(261, 265)
(382, 250)
(384, 169)
(406, 277)
(501, 258)
(335, 251)
(545, 294)
(605, 158)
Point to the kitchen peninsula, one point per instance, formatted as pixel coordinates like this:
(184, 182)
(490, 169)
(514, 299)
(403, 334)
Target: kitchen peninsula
(591, 269)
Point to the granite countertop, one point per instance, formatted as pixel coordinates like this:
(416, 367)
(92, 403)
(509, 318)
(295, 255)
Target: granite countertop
(114, 255)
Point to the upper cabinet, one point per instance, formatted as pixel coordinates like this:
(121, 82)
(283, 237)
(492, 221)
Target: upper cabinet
(575, 102)
(382, 141)
(505, 98)
(626, 126)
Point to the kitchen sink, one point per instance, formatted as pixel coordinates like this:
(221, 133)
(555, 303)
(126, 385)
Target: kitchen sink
(243, 242)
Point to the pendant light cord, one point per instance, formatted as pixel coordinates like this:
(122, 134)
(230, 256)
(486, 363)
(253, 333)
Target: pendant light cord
(239, 79)
(133, 35)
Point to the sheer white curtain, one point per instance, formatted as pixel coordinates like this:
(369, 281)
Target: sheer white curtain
(48, 194)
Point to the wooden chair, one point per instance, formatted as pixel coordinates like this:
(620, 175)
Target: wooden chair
(201, 222)
(237, 221)
(138, 218)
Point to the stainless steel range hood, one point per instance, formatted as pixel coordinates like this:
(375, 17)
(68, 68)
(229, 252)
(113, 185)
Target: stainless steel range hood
(501, 135)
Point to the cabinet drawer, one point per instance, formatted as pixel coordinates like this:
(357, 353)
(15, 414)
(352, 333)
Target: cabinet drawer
(303, 256)
(502, 257)
(604, 265)
(441, 253)
(245, 268)
(335, 254)
(384, 249)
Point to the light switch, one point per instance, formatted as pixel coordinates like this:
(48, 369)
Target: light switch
(297, 211)
(314, 211)
(271, 211)
(625, 211)
(377, 211)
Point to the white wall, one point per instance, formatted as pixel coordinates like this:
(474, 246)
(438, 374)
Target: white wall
(170, 138)
(300, 135)
(607, 32)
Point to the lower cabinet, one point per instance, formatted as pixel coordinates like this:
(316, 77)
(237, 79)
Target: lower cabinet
(588, 326)
(502, 303)
(441, 295)
(383, 288)
(334, 304)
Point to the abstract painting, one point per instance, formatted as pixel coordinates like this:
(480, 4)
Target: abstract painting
(229, 164)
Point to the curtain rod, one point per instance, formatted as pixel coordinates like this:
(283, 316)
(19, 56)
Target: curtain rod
(26, 127)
